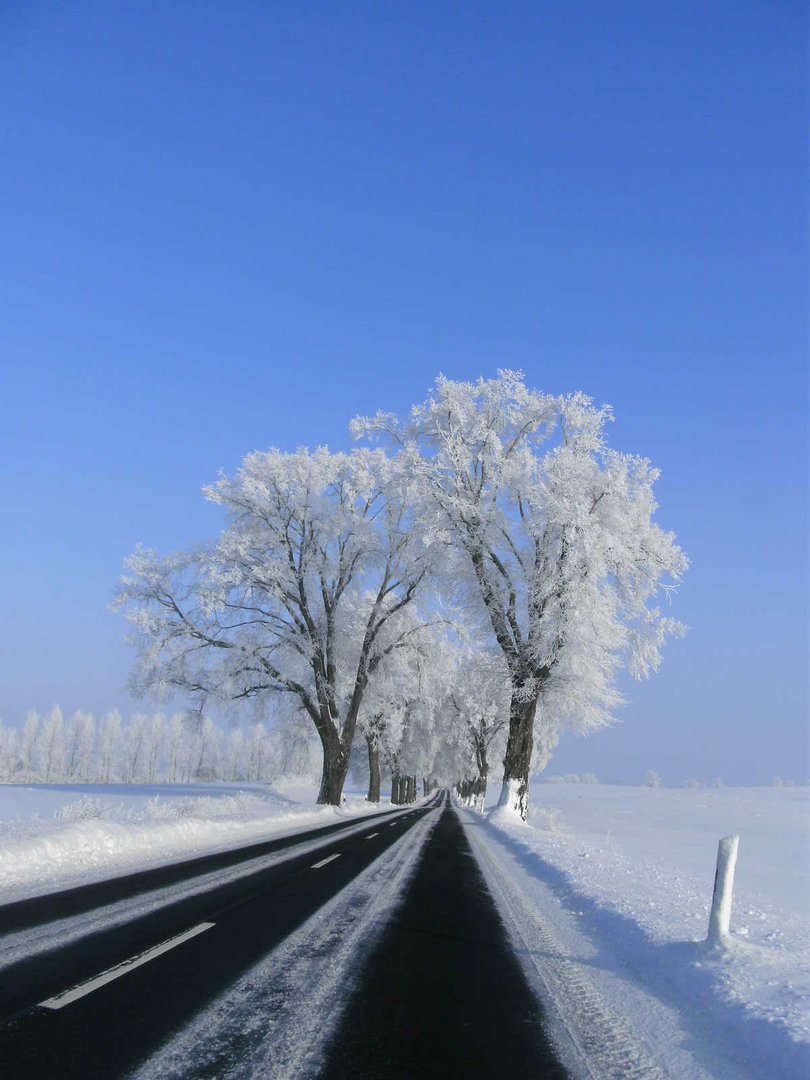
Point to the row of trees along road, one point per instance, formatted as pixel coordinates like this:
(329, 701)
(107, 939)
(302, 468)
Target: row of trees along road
(487, 567)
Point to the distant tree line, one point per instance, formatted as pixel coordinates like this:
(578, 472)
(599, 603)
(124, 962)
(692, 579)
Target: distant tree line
(148, 749)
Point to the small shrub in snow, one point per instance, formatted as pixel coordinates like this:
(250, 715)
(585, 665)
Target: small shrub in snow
(653, 779)
(589, 778)
(85, 809)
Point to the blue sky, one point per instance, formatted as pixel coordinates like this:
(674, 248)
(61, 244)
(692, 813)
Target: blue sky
(229, 226)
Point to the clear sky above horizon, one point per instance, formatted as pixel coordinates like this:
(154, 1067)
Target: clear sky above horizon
(230, 226)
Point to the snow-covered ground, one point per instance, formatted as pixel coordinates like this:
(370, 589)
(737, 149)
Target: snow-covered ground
(56, 836)
(612, 886)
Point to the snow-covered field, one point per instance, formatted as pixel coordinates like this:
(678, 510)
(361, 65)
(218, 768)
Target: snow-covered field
(617, 881)
(56, 836)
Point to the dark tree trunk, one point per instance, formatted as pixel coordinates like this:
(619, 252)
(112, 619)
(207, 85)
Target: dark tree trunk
(395, 779)
(373, 771)
(335, 768)
(481, 790)
(518, 759)
(483, 770)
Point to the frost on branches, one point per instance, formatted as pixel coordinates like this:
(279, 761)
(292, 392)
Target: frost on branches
(555, 533)
(304, 594)
(405, 719)
(537, 535)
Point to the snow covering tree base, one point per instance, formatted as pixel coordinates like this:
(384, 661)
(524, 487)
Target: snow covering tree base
(513, 805)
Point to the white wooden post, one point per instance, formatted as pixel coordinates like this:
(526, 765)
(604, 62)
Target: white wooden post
(723, 886)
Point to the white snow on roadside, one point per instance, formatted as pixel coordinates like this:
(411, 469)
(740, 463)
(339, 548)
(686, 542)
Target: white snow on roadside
(616, 883)
(57, 836)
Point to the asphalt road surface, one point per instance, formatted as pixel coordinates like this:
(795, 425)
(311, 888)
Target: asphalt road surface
(443, 994)
(109, 1029)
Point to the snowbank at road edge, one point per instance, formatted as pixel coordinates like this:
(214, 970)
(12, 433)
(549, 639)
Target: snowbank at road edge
(110, 831)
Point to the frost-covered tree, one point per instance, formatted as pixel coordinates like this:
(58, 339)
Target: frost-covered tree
(109, 736)
(51, 743)
(132, 751)
(302, 594)
(10, 757)
(80, 743)
(28, 744)
(410, 723)
(478, 699)
(464, 692)
(173, 740)
(153, 751)
(234, 752)
(404, 695)
(555, 532)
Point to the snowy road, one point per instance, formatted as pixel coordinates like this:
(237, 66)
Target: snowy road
(95, 980)
(443, 993)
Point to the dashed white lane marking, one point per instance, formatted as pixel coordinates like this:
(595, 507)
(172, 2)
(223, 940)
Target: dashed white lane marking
(372, 835)
(80, 991)
(393, 823)
(323, 862)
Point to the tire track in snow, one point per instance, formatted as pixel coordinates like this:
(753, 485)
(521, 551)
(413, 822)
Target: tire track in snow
(593, 1040)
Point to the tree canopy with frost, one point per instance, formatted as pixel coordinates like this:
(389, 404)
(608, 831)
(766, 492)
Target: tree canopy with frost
(477, 701)
(304, 593)
(555, 532)
(404, 719)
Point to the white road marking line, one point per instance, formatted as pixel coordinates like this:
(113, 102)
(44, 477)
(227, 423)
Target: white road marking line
(323, 862)
(372, 835)
(76, 992)
(393, 823)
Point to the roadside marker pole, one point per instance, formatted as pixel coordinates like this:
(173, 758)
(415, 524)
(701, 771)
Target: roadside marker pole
(723, 887)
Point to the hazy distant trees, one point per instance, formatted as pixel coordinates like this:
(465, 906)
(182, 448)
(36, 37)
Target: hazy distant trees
(149, 749)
